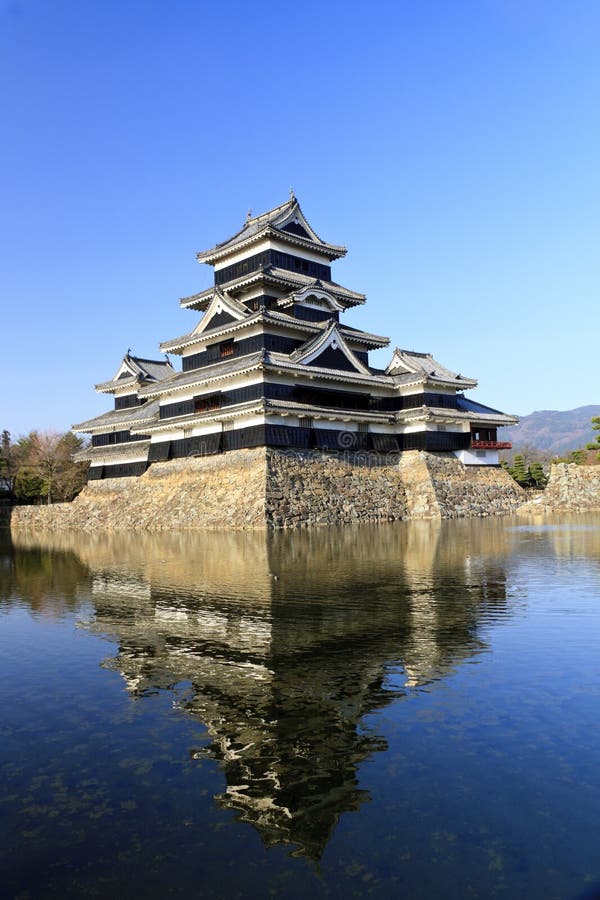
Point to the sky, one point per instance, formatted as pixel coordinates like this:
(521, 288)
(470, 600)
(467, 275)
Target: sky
(452, 147)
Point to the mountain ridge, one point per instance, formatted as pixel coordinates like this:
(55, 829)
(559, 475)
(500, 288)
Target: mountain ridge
(555, 432)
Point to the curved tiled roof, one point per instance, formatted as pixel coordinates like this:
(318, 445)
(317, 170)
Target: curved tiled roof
(132, 416)
(274, 275)
(139, 371)
(274, 222)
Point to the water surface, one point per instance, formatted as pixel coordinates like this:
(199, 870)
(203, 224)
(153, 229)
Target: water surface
(407, 710)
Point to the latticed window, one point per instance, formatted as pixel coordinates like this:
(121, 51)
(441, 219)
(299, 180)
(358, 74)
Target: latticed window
(226, 349)
(207, 403)
(363, 427)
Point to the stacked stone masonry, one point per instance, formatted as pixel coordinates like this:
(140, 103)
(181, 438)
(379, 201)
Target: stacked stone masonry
(571, 488)
(279, 489)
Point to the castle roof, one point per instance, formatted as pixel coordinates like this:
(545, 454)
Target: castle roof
(274, 317)
(286, 222)
(406, 365)
(279, 277)
(113, 453)
(120, 419)
(225, 369)
(133, 371)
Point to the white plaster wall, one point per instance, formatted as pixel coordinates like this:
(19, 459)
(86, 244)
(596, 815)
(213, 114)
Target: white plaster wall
(270, 244)
(471, 457)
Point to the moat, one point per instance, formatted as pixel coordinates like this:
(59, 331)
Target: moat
(400, 710)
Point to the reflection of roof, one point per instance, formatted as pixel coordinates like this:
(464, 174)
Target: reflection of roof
(120, 419)
(286, 221)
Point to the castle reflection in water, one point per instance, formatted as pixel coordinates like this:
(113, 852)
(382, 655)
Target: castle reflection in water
(288, 642)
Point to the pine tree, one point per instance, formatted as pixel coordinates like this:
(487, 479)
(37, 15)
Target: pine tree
(536, 475)
(519, 470)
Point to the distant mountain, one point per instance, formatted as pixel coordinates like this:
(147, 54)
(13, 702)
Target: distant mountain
(554, 432)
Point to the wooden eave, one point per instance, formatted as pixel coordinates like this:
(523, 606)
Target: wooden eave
(112, 424)
(281, 364)
(203, 378)
(349, 334)
(433, 413)
(329, 251)
(285, 408)
(189, 339)
(198, 301)
(175, 423)
(344, 295)
(132, 448)
(109, 387)
(461, 384)
(269, 275)
(316, 345)
(270, 317)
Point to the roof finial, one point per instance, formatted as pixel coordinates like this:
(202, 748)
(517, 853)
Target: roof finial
(292, 194)
(128, 351)
(248, 215)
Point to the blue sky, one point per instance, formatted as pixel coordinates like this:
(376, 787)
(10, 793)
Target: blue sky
(452, 147)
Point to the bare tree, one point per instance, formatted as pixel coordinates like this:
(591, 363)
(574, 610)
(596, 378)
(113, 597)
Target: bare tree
(47, 456)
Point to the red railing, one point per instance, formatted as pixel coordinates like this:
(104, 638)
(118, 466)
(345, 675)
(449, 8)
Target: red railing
(491, 445)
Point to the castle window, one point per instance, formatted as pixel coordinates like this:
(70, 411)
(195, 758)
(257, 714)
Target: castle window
(363, 427)
(226, 349)
(207, 403)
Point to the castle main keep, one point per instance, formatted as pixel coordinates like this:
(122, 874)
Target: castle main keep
(271, 362)
(275, 416)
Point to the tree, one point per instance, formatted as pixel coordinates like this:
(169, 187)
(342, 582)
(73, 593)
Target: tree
(577, 456)
(44, 469)
(519, 471)
(9, 463)
(537, 475)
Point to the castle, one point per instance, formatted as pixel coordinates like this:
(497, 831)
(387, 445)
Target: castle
(271, 363)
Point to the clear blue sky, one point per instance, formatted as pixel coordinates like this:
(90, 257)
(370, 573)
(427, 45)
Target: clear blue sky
(453, 147)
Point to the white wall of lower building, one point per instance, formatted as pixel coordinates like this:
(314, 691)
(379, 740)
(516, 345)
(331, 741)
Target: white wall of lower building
(478, 457)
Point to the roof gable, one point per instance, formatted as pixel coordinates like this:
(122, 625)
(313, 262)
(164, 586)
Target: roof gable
(424, 366)
(288, 221)
(329, 350)
(134, 371)
(222, 310)
(315, 295)
(292, 219)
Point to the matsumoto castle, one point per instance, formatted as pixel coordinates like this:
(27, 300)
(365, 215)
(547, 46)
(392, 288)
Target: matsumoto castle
(270, 361)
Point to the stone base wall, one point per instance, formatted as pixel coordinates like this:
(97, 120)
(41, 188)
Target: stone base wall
(471, 491)
(571, 488)
(262, 487)
(207, 492)
(312, 488)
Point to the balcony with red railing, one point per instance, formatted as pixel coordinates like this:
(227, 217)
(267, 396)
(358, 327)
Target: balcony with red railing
(491, 445)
